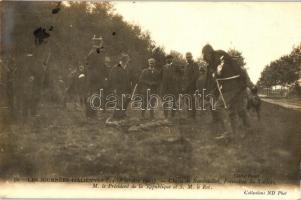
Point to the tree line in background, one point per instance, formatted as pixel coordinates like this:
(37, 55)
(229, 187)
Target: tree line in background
(70, 40)
(72, 29)
(69, 43)
(283, 71)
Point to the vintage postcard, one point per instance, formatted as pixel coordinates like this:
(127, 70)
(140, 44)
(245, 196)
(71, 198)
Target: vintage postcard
(156, 100)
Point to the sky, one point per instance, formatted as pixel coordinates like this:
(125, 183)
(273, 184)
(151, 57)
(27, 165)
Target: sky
(263, 32)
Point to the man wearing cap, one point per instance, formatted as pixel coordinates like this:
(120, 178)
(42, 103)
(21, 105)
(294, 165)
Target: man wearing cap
(227, 81)
(148, 85)
(171, 85)
(191, 73)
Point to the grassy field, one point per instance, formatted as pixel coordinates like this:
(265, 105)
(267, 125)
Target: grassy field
(63, 143)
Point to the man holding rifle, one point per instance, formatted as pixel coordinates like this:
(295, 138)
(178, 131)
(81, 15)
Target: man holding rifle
(227, 82)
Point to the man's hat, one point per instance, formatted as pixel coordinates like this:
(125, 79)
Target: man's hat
(169, 57)
(188, 54)
(207, 48)
(97, 38)
(151, 59)
(124, 56)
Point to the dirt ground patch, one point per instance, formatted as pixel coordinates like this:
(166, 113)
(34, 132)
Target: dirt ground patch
(63, 143)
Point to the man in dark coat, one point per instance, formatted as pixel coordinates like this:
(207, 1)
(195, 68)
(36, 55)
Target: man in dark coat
(30, 79)
(191, 73)
(121, 85)
(149, 82)
(78, 86)
(227, 81)
(36, 77)
(171, 85)
(11, 85)
(200, 85)
(96, 74)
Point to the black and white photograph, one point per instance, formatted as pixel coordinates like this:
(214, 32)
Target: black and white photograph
(150, 99)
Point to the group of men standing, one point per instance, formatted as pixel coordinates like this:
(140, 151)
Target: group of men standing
(176, 80)
(170, 79)
(223, 78)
